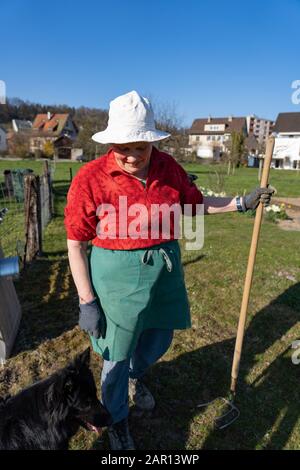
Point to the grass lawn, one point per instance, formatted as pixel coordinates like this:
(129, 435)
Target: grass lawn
(197, 367)
(286, 182)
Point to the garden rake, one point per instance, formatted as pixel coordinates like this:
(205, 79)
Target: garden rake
(232, 412)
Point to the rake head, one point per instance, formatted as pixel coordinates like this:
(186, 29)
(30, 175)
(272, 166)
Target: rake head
(228, 416)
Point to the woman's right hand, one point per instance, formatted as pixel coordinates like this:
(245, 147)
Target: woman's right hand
(92, 318)
(91, 315)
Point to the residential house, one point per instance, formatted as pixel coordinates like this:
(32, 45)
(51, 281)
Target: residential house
(59, 129)
(260, 128)
(286, 153)
(19, 125)
(17, 134)
(210, 137)
(3, 142)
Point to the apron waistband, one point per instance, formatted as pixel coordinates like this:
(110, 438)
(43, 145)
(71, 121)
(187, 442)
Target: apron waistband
(147, 256)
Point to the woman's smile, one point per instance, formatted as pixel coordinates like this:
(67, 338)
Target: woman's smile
(134, 157)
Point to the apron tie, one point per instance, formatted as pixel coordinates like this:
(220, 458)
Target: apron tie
(147, 256)
(166, 259)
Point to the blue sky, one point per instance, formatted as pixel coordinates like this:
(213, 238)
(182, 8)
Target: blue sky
(206, 57)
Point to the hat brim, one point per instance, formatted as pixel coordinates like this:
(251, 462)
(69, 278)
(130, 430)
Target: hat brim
(109, 137)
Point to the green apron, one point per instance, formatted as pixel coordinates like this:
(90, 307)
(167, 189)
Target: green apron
(138, 289)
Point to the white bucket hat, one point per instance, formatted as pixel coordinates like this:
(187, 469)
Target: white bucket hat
(131, 119)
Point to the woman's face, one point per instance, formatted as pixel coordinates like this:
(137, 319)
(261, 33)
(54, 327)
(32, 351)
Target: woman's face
(134, 157)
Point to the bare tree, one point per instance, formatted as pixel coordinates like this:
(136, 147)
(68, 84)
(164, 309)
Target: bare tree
(19, 145)
(235, 151)
(89, 122)
(169, 120)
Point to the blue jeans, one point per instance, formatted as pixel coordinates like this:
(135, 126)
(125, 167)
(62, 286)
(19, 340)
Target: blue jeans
(152, 344)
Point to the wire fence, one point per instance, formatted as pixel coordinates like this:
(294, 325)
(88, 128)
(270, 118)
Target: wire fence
(46, 197)
(25, 199)
(12, 234)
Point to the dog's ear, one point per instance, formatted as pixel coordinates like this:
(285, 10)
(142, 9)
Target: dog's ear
(3, 400)
(68, 384)
(52, 395)
(83, 358)
(62, 386)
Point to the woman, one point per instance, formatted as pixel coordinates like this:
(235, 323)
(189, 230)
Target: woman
(131, 290)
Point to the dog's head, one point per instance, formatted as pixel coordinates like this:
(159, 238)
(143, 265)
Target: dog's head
(74, 394)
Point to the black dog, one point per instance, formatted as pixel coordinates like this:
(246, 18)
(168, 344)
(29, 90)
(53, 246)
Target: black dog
(48, 413)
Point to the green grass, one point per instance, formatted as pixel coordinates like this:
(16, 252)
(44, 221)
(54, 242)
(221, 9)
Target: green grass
(197, 367)
(286, 182)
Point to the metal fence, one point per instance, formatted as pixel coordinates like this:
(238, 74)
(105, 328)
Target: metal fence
(27, 206)
(46, 195)
(10, 315)
(12, 235)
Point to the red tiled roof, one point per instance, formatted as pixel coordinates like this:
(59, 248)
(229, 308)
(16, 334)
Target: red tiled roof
(54, 125)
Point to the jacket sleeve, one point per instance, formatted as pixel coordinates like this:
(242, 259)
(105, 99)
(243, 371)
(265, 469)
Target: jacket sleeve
(189, 193)
(80, 212)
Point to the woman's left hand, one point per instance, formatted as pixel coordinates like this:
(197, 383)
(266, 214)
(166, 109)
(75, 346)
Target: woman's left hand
(92, 318)
(263, 195)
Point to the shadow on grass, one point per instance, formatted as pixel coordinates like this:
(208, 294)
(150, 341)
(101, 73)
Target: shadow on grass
(49, 302)
(193, 260)
(199, 168)
(58, 183)
(269, 404)
(61, 190)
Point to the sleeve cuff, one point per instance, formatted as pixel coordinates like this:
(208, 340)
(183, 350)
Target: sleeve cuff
(73, 234)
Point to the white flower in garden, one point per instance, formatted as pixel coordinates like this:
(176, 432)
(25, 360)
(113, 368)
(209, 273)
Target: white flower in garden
(268, 209)
(275, 208)
(209, 192)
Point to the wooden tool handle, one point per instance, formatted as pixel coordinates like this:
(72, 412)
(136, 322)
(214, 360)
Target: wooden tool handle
(250, 269)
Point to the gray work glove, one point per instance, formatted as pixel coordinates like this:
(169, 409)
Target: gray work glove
(92, 318)
(263, 195)
(192, 177)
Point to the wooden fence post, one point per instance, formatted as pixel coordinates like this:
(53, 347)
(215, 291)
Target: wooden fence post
(32, 217)
(9, 189)
(46, 167)
(39, 214)
(48, 174)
